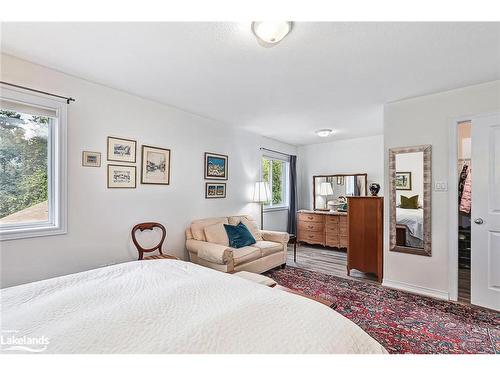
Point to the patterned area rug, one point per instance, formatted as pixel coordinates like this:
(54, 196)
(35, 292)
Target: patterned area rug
(402, 322)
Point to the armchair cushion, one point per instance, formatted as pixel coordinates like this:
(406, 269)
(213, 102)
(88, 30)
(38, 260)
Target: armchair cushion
(210, 252)
(239, 235)
(216, 233)
(268, 247)
(281, 237)
(245, 254)
(198, 226)
(249, 223)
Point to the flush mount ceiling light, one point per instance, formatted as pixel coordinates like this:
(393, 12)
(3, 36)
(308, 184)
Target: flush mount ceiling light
(271, 32)
(324, 132)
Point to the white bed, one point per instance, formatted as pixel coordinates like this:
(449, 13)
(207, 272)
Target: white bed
(169, 306)
(413, 219)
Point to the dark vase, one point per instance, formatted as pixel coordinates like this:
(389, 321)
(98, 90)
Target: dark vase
(374, 189)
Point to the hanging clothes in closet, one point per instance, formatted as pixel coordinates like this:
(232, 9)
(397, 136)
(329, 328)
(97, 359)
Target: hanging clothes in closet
(461, 181)
(465, 202)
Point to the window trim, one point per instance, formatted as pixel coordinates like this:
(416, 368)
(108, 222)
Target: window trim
(285, 192)
(56, 170)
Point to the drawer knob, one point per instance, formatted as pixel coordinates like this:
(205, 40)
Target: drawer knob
(310, 217)
(310, 226)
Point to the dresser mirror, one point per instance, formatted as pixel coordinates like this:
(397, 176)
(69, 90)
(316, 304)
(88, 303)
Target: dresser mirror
(410, 183)
(330, 192)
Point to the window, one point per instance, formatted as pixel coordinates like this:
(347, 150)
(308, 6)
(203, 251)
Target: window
(275, 172)
(32, 165)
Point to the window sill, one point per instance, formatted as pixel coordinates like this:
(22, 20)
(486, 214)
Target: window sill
(19, 233)
(278, 208)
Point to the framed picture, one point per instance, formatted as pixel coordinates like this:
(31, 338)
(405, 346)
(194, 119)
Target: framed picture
(215, 166)
(215, 190)
(403, 181)
(91, 159)
(120, 149)
(121, 176)
(155, 165)
(340, 180)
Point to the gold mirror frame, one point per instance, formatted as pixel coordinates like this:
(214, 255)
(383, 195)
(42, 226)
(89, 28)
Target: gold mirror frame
(427, 178)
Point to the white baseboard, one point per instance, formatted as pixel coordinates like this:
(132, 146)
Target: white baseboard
(429, 292)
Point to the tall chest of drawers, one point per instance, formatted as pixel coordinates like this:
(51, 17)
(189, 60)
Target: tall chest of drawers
(323, 228)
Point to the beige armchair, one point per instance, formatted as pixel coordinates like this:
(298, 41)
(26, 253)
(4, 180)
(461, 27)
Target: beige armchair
(208, 245)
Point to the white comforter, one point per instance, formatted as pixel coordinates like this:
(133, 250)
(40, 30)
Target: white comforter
(413, 219)
(168, 306)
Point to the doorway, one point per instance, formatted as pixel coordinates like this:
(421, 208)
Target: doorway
(464, 203)
(474, 274)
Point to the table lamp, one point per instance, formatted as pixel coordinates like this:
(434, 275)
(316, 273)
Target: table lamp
(325, 189)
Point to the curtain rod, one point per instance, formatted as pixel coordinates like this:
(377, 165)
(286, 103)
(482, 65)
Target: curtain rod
(68, 99)
(277, 152)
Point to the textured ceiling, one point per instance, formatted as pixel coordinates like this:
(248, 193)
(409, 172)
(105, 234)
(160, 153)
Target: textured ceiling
(322, 75)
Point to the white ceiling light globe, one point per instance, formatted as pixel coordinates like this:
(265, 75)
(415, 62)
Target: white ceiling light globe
(324, 132)
(271, 32)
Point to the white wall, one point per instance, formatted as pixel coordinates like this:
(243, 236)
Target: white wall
(419, 121)
(100, 219)
(276, 220)
(358, 155)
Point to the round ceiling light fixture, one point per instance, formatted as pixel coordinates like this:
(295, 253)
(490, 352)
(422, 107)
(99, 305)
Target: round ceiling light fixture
(324, 132)
(271, 32)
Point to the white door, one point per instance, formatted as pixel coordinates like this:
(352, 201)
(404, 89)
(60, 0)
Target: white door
(485, 214)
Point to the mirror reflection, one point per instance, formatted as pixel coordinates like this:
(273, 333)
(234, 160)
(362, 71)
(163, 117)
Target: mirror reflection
(331, 191)
(409, 184)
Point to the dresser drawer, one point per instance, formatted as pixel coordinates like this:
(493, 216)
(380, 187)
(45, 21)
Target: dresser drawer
(332, 229)
(343, 220)
(343, 241)
(332, 220)
(311, 226)
(332, 241)
(311, 237)
(318, 218)
(343, 230)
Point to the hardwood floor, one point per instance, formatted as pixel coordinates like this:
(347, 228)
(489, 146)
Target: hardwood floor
(463, 285)
(325, 260)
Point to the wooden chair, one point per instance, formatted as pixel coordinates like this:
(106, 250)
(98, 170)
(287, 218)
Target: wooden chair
(141, 250)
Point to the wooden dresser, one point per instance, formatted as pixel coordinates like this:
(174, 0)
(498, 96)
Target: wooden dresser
(365, 223)
(323, 228)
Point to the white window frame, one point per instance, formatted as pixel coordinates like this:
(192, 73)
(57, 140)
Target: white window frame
(56, 170)
(285, 191)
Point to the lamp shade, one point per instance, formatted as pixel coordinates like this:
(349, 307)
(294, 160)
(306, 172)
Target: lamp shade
(325, 188)
(261, 192)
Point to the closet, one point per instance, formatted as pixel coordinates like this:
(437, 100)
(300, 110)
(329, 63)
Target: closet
(464, 210)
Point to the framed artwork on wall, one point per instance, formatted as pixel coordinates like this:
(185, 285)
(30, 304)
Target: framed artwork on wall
(215, 166)
(215, 190)
(91, 159)
(403, 181)
(121, 149)
(121, 176)
(155, 165)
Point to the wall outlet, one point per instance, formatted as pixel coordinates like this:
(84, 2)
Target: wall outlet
(441, 186)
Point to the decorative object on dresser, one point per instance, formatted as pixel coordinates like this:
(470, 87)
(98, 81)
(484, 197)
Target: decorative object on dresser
(215, 166)
(150, 226)
(341, 185)
(91, 159)
(155, 165)
(121, 149)
(323, 228)
(374, 189)
(215, 190)
(365, 223)
(121, 176)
